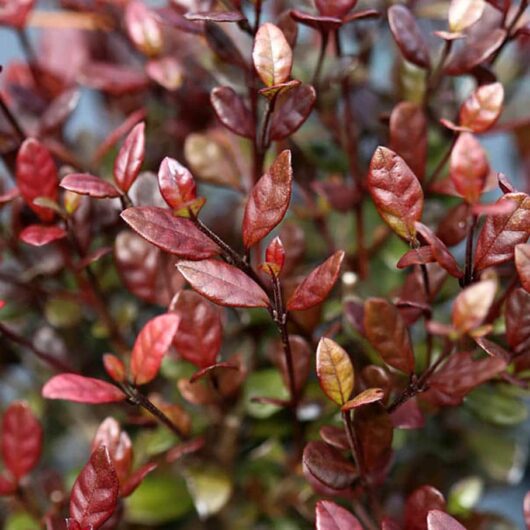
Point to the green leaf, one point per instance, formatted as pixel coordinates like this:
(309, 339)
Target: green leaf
(21, 521)
(264, 383)
(464, 495)
(496, 407)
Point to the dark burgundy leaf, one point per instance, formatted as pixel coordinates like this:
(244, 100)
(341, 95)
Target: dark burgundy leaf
(90, 185)
(522, 264)
(39, 235)
(222, 45)
(73, 387)
(232, 112)
(130, 158)
(419, 503)
(331, 516)
(8, 485)
(518, 320)
(335, 436)
(454, 226)
(416, 256)
(493, 349)
(408, 416)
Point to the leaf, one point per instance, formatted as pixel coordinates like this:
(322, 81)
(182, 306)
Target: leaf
(419, 503)
(464, 13)
(14, 13)
(408, 136)
(396, 192)
(386, 331)
(200, 332)
(232, 112)
(150, 347)
(268, 201)
(223, 284)
(471, 306)
(21, 439)
(335, 8)
(274, 257)
(291, 111)
(136, 478)
(80, 389)
(482, 108)
(416, 256)
(143, 28)
(167, 72)
(315, 288)
(36, 176)
(408, 36)
(331, 516)
(517, 315)
(130, 158)
(469, 167)
(501, 233)
(327, 465)
(370, 395)
(526, 510)
(272, 55)
(437, 520)
(334, 371)
(222, 45)
(175, 235)
(39, 235)
(522, 264)
(408, 416)
(90, 185)
(114, 367)
(94, 494)
(176, 184)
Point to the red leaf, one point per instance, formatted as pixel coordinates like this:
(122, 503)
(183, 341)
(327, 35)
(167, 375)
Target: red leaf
(114, 367)
(95, 492)
(331, 516)
(522, 264)
(176, 183)
(437, 520)
(116, 79)
(21, 439)
(39, 235)
(14, 13)
(143, 28)
(469, 167)
(90, 185)
(493, 349)
(200, 332)
(268, 201)
(335, 8)
(471, 305)
(175, 235)
(73, 387)
(136, 478)
(396, 192)
(408, 36)
(36, 176)
(419, 503)
(370, 395)
(501, 233)
(408, 416)
(315, 288)
(167, 72)
(232, 112)
(130, 158)
(8, 486)
(223, 284)
(386, 331)
(416, 256)
(482, 108)
(518, 320)
(274, 257)
(150, 347)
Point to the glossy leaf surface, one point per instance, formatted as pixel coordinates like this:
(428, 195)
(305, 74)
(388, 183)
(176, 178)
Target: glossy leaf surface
(482, 108)
(464, 13)
(90, 185)
(438, 520)
(472, 304)
(73, 387)
(39, 235)
(419, 503)
(130, 158)
(331, 516)
(522, 264)
(176, 183)
(232, 112)
(518, 320)
(272, 55)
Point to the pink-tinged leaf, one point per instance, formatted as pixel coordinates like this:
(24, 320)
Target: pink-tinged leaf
(419, 503)
(39, 235)
(232, 111)
(143, 28)
(272, 55)
(334, 8)
(274, 257)
(14, 13)
(73, 387)
(526, 510)
(167, 72)
(72, 524)
(408, 36)
(416, 256)
(36, 176)
(518, 320)
(408, 416)
(150, 347)
(501, 233)
(213, 370)
(8, 485)
(9, 195)
(291, 111)
(21, 439)
(175, 235)
(315, 288)
(408, 136)
(114, 367)
(464, 13)
(522, 264)
(130, 158)
(386, 331)
(389, 524)
(176, 184)
(331, 516)
(223, 284)
(90, 185)
(95, 492)
(136, 478)
(482, 108)
(396, 192)
(200, 333)
(362, 14)
(469, 167)
(472, 305)
(498, 208)
(268, 201)
(328, 465)
(438, 520)
(370, 395)
(217, 16)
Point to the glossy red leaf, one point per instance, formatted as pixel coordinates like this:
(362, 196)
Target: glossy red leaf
(517, 315)
(331, 516)
(73, 387)
(268, 201)
(370, 395)
(175, 235)
(482, 108)
(408, 36)
(176, 183)
(232, 111)
(396, 192)
(150, 347)
(469, 167)
(136, 478)
(408, 136)
(272, 55)
(501, 233)
(114, 367)
(291, 111)
(200, 332)
(39, 235)
(274, 257)
(90, 185)
(419, 503)
(94, 494)
(471, 306)
(36, 176)
(8, 485)
(21, 439)
(522, 264)
(130, 158)
(464, 13)
(143, 28)
(223, 284)
(416, 256)
(386, 331)
(438, 520)
(315, 288)
(408, 416)
(14, 13)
